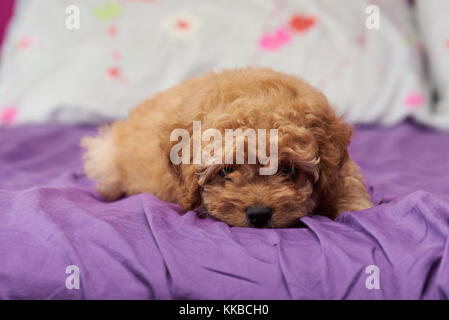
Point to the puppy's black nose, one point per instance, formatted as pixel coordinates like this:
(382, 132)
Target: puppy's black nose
(258, 216)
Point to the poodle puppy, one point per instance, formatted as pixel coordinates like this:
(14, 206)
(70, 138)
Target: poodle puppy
(315, 174)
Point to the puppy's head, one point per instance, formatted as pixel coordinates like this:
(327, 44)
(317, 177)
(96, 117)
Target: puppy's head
(240, 196)
(311, 149)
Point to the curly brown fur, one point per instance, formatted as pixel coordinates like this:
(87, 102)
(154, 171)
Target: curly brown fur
(132, 156)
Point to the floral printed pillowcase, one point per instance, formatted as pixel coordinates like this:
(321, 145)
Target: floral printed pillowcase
(433, 23)
(55, 67)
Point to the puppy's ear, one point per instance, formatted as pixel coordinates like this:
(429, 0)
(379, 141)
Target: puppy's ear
(333, 137)
(188, 192)
(190, 197)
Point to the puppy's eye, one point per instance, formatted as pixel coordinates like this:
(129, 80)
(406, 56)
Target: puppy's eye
(225, 171)
(291, 172)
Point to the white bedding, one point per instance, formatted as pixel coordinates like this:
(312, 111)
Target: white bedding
(127, 50)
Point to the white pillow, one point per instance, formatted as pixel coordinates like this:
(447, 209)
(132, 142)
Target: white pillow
(433, 24)
(125, 51)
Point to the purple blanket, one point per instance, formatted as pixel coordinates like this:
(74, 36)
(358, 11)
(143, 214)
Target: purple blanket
(142, 248)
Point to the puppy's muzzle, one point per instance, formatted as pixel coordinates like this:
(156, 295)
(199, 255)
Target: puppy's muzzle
(258, 216)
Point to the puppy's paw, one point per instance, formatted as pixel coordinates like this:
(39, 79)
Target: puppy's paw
(100, 163)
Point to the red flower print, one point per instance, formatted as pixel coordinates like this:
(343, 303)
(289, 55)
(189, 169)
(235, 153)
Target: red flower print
(302, 23)
(182, 25)
(114, 72)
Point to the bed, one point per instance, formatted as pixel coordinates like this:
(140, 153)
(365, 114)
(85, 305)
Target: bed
(143, 248)
(59, 239)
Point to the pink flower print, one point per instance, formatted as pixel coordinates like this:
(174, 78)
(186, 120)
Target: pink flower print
(25, 43)
(8, 116)
(414, 100)
(116, 55)
(360, 40)
(112, 30)
(274, 41)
